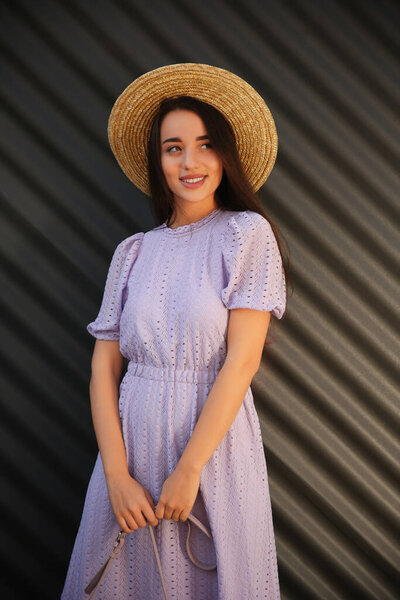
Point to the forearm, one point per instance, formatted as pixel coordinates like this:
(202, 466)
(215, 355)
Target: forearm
(217, 415)
(104, 394)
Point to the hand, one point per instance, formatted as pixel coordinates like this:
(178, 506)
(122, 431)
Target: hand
(178, 494)
(130, 501)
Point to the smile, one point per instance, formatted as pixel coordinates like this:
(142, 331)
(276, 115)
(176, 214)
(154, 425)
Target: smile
(193, 181)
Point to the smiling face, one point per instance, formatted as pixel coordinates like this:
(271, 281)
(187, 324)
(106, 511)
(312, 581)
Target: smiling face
(186, 152)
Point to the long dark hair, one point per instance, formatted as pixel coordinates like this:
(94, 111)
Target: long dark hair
(234, 192)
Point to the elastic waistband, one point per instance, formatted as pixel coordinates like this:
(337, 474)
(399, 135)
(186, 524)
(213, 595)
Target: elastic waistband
(169, 373)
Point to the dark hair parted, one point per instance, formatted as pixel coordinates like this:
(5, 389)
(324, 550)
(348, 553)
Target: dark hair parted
(234, 192)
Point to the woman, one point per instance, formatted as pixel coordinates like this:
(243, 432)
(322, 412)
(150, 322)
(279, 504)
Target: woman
(189, 304)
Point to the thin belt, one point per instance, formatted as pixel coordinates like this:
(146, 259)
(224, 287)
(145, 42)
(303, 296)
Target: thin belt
(171, 373)
(94, 584)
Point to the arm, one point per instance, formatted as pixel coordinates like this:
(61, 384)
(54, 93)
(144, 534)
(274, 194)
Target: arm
(107, 363)
(132, 504)
(247, 330)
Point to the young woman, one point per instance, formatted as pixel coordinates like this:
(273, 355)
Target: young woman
(188, 303)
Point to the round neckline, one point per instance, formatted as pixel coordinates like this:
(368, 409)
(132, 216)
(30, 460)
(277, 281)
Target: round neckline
(190, 226)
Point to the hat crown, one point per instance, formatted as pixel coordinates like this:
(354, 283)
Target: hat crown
(134, 110)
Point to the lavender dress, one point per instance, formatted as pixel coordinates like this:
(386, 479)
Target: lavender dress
(167, 298)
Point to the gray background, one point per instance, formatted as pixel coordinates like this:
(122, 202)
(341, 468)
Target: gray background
(327, 392)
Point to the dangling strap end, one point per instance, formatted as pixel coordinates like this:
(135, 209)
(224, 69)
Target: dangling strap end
(98, 578)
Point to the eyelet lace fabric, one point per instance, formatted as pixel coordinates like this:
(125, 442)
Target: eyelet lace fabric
(166, 299)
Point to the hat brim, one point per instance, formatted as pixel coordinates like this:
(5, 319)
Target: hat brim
(134, 110)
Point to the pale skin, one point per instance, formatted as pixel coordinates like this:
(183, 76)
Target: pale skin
(132, 504)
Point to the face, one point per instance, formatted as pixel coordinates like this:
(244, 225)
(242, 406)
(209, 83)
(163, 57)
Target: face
(184, 154)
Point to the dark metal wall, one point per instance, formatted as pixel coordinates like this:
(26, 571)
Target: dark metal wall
(327, 392)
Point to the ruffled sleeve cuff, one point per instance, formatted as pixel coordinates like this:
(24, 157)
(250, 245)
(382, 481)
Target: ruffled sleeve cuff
(106, 324)
(255, 277)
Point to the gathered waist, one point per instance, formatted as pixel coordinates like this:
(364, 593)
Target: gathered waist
(171, 373)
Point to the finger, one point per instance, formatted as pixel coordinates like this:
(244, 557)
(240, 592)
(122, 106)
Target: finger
(160, 511)
(184, 515)
(176, 514)
(150, 499)
(139, 518)
(128, 524)
(122, 525)
(150, 516)
(168, 512)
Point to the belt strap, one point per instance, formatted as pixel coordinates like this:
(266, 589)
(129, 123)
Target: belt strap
(94, 584)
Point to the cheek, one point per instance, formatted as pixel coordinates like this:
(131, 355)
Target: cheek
(167, 166)
(214, 160)
(217, 166)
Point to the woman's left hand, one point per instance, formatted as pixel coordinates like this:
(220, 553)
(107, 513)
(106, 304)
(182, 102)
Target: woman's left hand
(178, 494)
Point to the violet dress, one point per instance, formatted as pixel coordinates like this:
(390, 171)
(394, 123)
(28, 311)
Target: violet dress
(166, 299)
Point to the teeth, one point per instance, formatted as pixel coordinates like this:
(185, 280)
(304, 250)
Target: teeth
(194, 180)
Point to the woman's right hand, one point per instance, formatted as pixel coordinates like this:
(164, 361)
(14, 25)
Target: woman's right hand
(130, 501)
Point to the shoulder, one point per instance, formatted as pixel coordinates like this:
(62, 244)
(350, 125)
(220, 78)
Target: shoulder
(129, 245)
(246, 225)
(133, 240)
(126, 252)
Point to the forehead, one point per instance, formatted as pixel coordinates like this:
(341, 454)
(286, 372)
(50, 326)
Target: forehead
(182, 119)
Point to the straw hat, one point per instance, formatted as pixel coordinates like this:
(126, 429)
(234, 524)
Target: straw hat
(133, 113)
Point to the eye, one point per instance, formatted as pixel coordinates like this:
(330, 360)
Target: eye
(170, 148)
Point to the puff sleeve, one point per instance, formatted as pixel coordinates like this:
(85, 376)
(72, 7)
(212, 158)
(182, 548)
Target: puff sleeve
(106, 324)
(253, 267)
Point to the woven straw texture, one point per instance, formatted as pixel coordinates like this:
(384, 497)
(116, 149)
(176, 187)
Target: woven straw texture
(134, 110)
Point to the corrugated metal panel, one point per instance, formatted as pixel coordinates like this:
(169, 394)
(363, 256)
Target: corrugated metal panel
(328, 389)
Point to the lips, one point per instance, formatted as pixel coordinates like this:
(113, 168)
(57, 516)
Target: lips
(195, 184)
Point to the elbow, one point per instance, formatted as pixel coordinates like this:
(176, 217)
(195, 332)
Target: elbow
(101, 380)
(248, 368)
(107, 361)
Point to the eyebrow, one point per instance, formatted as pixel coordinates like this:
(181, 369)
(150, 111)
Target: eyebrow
(176, 139)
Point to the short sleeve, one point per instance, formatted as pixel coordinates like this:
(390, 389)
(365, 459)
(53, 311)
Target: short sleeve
(253, 267)
(106, 324)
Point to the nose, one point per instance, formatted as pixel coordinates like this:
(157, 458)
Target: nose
(189, 159)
